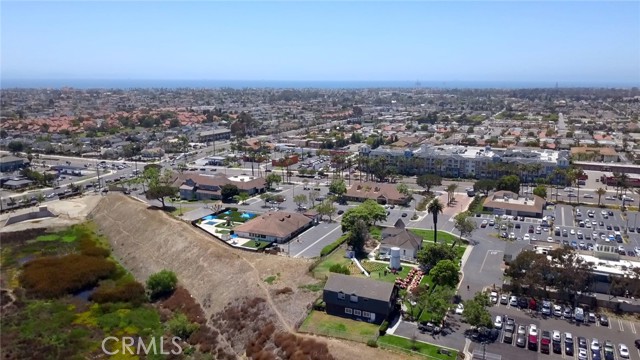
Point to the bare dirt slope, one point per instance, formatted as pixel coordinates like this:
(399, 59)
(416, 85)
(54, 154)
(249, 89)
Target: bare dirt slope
(147, 241)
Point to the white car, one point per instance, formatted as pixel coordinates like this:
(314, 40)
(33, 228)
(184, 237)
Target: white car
(527, 237)
(549, 239)
(555, 335)
(588, 196)
(557, 310)
(504, 299)
(493, 297)
(513, 301)
(572, 232)
(533, 330)
(595, 345)
(637, 250)
(604, 212)
(623, 350)
(582, 354)
(460, 309)
(498, 322)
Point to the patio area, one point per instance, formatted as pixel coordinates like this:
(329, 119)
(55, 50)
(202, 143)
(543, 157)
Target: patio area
(220, 226)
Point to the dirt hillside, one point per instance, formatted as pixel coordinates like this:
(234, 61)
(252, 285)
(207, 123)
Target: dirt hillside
(147, 241)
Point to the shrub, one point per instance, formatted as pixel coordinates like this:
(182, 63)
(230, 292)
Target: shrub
(383, 327)
(56, 276)
(286, 290)
(130, 291)
(334, 245)
(372, 343)
(162, 283)
(340, 269)
(181, 327)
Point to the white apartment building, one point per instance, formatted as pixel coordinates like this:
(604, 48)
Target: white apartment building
(469, 161)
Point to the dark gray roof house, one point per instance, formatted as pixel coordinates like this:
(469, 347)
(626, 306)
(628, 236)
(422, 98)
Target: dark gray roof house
(359, 298)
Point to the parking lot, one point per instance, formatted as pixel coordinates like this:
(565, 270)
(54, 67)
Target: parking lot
(583, 229)
(617, 331)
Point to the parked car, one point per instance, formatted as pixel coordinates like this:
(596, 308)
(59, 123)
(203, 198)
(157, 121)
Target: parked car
(604, 320)
(568, 343)
(498, 322)
(557, 310)
(595, 345)
(513, 301)
(504, 299)
(623, 350)
(545, 341)
(493, 297)
(521, 340)
(460, 309)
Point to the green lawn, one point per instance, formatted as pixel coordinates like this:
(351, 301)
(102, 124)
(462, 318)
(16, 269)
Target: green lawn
(256, 244)
(390, 277)
(337, 257)
(427, 235)
(402, 344)
(323, 324)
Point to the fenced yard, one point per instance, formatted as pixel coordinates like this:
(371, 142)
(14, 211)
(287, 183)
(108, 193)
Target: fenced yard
(320, 323)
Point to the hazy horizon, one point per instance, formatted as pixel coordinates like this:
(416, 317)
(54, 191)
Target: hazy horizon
(564, 42)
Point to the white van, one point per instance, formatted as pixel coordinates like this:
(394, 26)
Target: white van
(579, 314)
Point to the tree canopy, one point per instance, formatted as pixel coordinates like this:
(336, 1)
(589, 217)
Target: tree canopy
(228, 191)
(369, 211)
(160, 184)
(430, 255)
(484, 186)
(475, 311)
(509, 183)
(162, 283)
(445, 273)
(338, 187)
(428, 181)
(541, 191)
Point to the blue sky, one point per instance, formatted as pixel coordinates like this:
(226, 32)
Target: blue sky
(439, 41)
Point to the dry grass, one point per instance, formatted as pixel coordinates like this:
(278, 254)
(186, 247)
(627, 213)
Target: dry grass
(146, 241)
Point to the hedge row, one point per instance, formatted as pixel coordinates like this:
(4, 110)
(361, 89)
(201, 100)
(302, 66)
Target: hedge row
(334, 245)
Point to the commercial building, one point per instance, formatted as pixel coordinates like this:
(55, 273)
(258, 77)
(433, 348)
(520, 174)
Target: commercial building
(214, 135)
(209, 187)
(382, 193)
(468, 161)
(510, 203)
(11, 163)
(359, 298)
(278, 226)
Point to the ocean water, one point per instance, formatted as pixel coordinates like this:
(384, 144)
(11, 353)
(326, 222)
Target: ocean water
(240, 84)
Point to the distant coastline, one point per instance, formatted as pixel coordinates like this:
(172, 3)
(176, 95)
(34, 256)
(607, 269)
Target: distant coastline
(240, 84)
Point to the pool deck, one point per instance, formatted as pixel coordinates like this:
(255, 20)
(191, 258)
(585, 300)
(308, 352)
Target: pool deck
(210, 227)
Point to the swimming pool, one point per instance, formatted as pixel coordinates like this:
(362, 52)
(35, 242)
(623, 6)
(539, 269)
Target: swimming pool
(210, 223)
(209, 217)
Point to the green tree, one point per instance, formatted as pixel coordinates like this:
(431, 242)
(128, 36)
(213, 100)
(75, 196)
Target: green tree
(160, 185)
(541, 191)
(327, 208)
(476, 314)
(358, 236)
(161, 283)
(403, 189)
(16, 146)
(435, 208)
(509, 183)
(300, 199)
(369, 211)
(445, 273)
(338, 187)
(428, 181)
(313, 195)
(430, 255)
(484, 186)
(601, 192)
(438, 302)
(451, 189)
(174, 123)
(273, 178)
(241, 197)
(465, 225)
(228, 191)
(266, 198)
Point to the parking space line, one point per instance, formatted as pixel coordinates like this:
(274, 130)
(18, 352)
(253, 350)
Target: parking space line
(633, 327)
(620, 324)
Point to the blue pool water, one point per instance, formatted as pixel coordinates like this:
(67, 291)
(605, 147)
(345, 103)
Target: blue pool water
(234, 236)
(209, 217)
(247, 216)
(227, 212)
(210, 223)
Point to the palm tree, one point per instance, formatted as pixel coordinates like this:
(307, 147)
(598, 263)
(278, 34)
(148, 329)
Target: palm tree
(450, 190)
(435, 208)
(600, 192)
